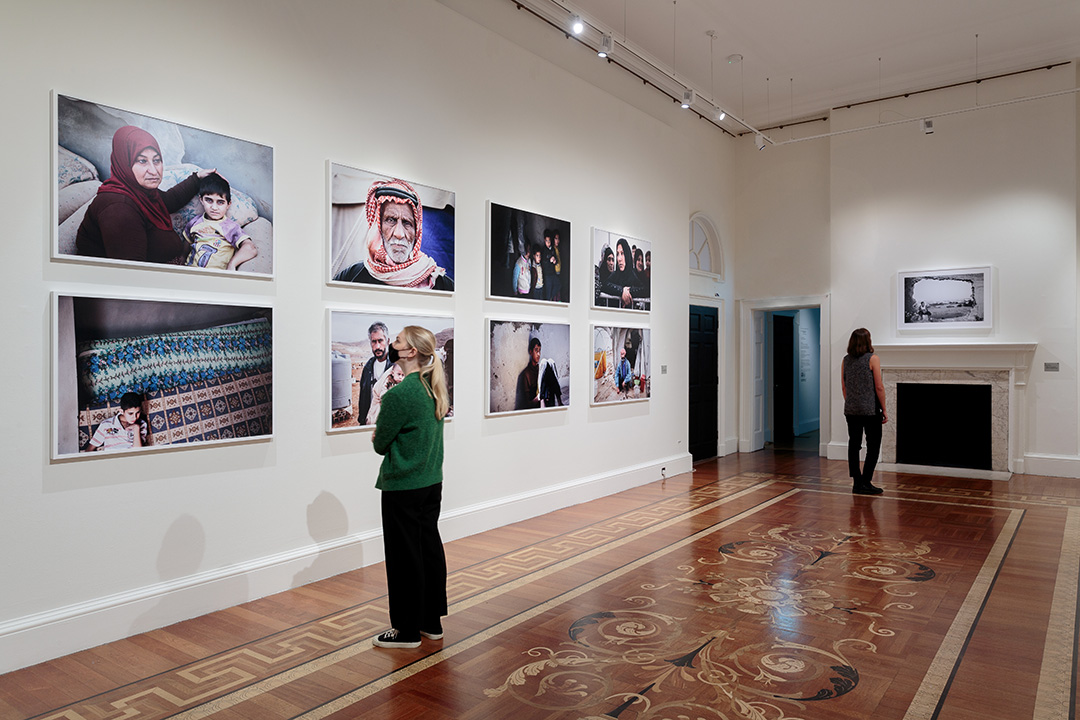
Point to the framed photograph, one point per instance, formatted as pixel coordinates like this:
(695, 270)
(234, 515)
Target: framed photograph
(528, 366)
(131, 375)
(136, 190)
(944, 299)
(622, 368)
(360, 370)
(386, 232)
(529, 257)
(621, 272)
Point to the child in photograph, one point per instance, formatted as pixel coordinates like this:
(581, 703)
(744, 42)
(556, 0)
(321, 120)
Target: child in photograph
(124, 430)
(217, 241)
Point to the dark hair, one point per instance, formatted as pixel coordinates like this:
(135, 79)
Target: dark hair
(378, 326)
(536, 248)
(859, 343)
(534, 342)
(130, 400)
(214, 184)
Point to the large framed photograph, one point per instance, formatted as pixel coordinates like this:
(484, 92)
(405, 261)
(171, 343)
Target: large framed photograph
(132, 374)
(386, 232)
(529, 255)
(944, 299)
(622, 368)
(622, 271)
(528, 366)
(137, 190)
(360, 370)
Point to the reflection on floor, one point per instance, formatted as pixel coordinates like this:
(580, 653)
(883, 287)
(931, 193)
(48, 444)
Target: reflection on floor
(757, 587)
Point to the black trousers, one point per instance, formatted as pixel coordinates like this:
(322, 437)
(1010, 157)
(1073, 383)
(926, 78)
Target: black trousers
(415, 561)
(856, 426)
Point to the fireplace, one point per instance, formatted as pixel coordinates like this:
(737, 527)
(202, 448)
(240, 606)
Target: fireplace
(996, 371)
(944, 425)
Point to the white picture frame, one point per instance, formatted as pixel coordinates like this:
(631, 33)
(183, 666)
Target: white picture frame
(510, 357)
(607, 343)
(83, 133)
(944, 300)
(203, 371)
(349, 352)
(628, 288)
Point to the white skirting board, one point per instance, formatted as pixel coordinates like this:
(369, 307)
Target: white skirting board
(35, 638)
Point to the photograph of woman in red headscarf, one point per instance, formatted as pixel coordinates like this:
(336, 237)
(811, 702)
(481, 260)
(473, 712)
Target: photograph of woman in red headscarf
(388, 232)
(136, 189)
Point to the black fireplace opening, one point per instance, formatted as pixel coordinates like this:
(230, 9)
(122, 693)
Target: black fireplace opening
(944, 425)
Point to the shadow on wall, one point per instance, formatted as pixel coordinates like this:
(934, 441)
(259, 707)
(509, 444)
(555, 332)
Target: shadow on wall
(182, 552)
(327, 521)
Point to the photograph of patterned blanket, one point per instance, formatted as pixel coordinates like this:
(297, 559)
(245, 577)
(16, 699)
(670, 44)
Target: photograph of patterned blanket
(139, 374)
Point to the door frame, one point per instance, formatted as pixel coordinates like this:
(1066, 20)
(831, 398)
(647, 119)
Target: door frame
(751, 367)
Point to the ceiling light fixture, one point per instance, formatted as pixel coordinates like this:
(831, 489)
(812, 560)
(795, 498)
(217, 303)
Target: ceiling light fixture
(576, 25)
(688, 98)
(606, 46)
(759, 140)
(720, 115)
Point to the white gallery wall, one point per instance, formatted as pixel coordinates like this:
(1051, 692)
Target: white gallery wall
(995, 187)
(97, 549)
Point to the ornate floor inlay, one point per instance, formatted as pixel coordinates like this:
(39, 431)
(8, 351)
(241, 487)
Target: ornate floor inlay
(753, 597)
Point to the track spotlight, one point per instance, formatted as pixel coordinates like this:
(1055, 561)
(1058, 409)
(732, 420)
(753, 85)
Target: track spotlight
(606, 44)
(759, 140)
(720, 115)
(688, 97)
(576, 25)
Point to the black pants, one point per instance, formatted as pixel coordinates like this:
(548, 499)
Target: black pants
(415, 561)
(856, 426)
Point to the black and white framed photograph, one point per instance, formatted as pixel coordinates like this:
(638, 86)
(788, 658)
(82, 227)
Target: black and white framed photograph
(360, 364)
(138, 190)
(528, 366)
(529, 257)
(135, 374)
(622, 271)
(386, 232)
(944, 299)
(622, 368)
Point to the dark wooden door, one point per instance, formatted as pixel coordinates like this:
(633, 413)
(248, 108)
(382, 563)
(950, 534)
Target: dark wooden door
(704, 323)
(783, 429)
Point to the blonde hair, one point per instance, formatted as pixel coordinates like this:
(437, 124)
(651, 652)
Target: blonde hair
(432, 374)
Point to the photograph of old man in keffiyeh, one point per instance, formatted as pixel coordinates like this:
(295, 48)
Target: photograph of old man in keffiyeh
(388, 232)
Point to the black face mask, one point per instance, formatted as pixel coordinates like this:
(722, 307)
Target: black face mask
(392, 354)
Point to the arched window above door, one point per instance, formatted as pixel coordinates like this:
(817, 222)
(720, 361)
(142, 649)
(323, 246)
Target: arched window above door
(706, 253)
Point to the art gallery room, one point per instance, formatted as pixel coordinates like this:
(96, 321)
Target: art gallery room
(228, 220)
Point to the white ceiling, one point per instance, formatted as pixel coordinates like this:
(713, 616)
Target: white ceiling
(802, 57)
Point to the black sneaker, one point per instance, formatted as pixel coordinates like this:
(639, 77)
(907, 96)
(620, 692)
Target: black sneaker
(867, 489)
(433, 634)
(393, 639)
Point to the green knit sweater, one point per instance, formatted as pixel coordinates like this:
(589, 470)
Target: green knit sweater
(409, 437)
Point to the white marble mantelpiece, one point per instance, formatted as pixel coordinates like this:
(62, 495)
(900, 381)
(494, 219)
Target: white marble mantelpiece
(1002, 366)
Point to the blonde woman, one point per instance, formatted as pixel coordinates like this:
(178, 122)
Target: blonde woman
(409, 436)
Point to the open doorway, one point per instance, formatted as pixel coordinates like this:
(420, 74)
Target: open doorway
(793, 378)
(811, 381)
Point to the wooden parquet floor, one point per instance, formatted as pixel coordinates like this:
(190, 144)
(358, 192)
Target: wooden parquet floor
(757, 587)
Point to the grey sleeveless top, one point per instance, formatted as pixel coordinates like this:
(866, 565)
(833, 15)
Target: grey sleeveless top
(859, 385)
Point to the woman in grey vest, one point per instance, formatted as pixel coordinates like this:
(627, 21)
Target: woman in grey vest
(864, 408)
